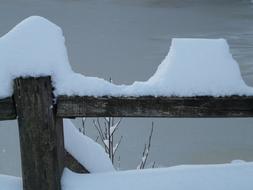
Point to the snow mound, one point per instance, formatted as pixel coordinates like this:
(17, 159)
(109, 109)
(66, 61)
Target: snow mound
(89, 153)
(193, 67)
(208, 177)
(35, 47)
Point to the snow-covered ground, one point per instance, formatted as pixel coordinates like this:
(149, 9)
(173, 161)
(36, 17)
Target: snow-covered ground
(212, 177)
(236, 176)
(233, 176)
(36, 47)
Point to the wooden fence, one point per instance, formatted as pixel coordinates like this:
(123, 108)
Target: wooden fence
(40, 121)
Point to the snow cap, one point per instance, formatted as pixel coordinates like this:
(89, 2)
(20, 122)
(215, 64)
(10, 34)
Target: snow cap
(35, 47)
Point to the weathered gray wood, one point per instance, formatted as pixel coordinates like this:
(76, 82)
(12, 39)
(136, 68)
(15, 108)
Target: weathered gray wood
(147, 106)
(41, 134)
(7, 109)
(73, 164)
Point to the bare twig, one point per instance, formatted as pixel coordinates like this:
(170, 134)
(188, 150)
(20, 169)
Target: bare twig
(115, 148)
(146, 150)
(83, 125)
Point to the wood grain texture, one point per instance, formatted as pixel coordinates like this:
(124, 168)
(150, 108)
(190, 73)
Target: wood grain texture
(148, 106)
(73, 164)
(41, 134)
(7, 109)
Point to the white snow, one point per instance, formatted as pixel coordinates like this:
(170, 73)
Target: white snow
(238, 161)
(195, 67)
(237, 176)
(207, 177)
(89, 153)
(10, 183)
(36, 47)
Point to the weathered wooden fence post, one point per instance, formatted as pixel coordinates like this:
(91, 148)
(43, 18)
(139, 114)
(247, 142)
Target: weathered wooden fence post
(41, 134)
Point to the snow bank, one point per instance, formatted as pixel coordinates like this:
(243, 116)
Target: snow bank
(212, 177)
(89, 153)
(36, 47)
(10, 183)
(237, 176)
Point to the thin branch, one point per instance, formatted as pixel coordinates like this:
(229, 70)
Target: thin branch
(83, 124)
(118, 163)
(149, 144)
(146, 150)
(100, 133)
(115, 127)
(153, 165)
(117, 145)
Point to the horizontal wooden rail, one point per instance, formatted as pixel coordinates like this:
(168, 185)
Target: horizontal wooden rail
(148, 106)
(145, 106)
(7, 109)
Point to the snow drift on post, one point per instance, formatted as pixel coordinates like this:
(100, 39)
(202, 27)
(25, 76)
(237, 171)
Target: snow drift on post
(89, 153)
(35, 47)
(193, 67)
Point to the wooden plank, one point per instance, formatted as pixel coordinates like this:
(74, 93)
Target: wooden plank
(73, 164)
(7, 109)
(148, 106)
(41, 134)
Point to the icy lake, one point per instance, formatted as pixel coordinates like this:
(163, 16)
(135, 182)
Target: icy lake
(126, 40)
